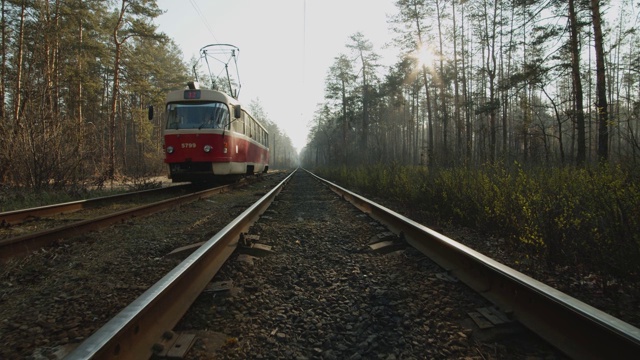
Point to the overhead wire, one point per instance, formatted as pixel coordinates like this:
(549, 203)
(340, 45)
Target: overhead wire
(304, 38)
(203, 18)
(198, 11)
(304, 50)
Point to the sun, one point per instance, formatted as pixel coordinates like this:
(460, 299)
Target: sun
(425, 56)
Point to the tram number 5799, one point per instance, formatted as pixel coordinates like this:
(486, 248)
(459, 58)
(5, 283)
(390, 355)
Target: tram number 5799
(188, 145)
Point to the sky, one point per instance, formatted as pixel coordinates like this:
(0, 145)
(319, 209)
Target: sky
(286, 46)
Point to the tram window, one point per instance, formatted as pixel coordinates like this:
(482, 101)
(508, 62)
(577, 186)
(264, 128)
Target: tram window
(197, 116)
(245, 119)
(238, 125)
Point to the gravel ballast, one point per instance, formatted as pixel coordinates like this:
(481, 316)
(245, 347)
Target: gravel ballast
(324, 294)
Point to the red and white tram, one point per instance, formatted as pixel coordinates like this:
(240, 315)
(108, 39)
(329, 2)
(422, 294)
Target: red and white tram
(207, 134)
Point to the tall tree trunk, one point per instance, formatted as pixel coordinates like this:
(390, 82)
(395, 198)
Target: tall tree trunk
(56, 61)
(3, 65)
(577, 84)
(417, 145)
(47, 59)
(114, 93)
(491, 72)
(559, 122)
(465, 96)
(17, 95)
(601, 88)
(365, 111)
(445, 116)
(345, 125)
(506, 92)
(426, 88)
(430, 154)
(456, 79)
(80, 122)
(4, 122)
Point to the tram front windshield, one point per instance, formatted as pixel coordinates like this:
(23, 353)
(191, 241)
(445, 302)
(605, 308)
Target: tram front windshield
(214, 115)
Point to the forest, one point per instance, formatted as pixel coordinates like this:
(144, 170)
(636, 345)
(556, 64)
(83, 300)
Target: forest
(76, 80)
(540, 82)
(518, 116)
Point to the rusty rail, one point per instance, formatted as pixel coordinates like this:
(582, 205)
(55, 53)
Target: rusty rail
(136, 330)
(575, 328)
(17, 216)
(25, 244)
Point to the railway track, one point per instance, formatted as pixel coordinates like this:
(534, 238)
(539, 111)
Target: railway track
(320, 272)
(15, 217)
(53, 223)
(57, 296)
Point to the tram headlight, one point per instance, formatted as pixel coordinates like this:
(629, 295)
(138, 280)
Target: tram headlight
(169, 149)
(207, 148)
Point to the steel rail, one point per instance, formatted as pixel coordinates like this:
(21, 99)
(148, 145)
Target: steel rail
(17, 216)
(575, 328)
(137, 329)
(25, 244)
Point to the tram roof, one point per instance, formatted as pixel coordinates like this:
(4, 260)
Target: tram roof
(204, 95)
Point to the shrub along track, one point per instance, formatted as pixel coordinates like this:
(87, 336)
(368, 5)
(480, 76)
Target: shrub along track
(323, 293)
(61, 294)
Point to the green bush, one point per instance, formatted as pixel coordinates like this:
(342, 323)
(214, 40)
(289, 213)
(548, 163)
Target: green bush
(564, 216)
